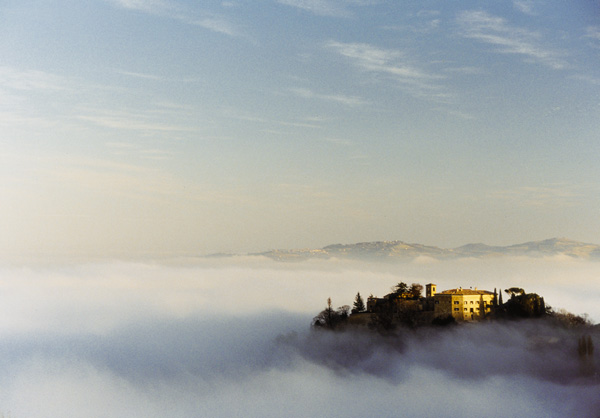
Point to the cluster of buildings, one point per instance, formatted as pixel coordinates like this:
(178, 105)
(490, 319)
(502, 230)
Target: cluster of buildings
(460, 304)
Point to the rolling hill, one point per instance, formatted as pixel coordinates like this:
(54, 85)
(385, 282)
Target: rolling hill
(399, 250)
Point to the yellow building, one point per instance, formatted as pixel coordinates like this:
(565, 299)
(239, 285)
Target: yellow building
(462, 304)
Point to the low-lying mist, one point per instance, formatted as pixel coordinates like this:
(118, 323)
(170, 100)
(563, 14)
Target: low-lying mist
(232, 337)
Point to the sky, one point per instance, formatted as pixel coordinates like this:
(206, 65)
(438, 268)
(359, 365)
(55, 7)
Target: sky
(171, 127)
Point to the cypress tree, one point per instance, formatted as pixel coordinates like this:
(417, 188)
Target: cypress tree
(359, 304)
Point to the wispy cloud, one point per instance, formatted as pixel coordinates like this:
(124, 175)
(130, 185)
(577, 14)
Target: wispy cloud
(140, 75)
(128, 149)
(464, 70)
(130, 121)
(333, 8)
(148, 6)
(338, 141)
(587, 78)
(592, 33)
(272, 124)
(217, 24)
(496, 31)
(425, 22)
(406, 71)
(337, 98)
(524, 6)
(454, 112)
(553, 195)
(15, 79)
(173, 10)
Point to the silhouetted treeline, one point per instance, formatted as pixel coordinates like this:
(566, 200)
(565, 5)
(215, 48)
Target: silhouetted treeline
(400, 308)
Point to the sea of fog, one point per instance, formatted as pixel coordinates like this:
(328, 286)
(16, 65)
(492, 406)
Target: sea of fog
(231, 337)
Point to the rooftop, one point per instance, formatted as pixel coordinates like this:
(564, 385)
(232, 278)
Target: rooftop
(461, 291)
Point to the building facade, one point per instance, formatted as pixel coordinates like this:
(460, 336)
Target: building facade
(463, 304)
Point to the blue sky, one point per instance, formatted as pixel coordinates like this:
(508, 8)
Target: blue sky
(164, 127)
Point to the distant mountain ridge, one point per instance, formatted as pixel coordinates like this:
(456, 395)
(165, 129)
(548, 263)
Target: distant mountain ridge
(399, 250)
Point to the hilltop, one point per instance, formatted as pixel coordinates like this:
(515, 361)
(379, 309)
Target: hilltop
(400, 250)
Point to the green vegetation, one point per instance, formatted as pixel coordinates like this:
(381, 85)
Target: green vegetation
(520, 305)
(359, 304)
(406, 307)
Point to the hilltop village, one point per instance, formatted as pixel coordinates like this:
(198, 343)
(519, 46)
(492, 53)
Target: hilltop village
(405, 305)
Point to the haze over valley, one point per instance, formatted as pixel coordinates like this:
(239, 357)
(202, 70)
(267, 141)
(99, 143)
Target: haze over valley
(226, 337)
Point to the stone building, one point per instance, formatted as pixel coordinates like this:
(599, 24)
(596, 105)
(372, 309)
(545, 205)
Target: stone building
(462, 304)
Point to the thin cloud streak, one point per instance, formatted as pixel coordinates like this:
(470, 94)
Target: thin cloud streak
(525, 6)
(395, 64)
(27, 80)
(125, 121)
(141, 75)
(557, 195)
(173, 10)
(149, 6)
(351, 101)
(494, 30)
(321, 7)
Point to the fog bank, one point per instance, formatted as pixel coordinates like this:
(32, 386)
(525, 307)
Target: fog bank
(232, 338)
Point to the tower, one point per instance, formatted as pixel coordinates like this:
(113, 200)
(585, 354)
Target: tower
(430, 290)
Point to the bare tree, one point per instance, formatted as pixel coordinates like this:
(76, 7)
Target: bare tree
(329, 318)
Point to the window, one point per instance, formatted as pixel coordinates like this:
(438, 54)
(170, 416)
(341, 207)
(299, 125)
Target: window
(471, 302)
(465, 309)
(456, 309)
(456, 302)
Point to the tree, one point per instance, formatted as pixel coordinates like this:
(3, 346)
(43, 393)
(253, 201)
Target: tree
(515, 291)
(383, 318)
(329, 318)
(343, 312)
(400, 289)
(415, 290)
(359, 304)
(586, 353)
(523, 305)
(569, 319)
(407, 314)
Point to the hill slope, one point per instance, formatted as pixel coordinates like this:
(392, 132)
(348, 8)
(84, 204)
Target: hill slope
(399, 250)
